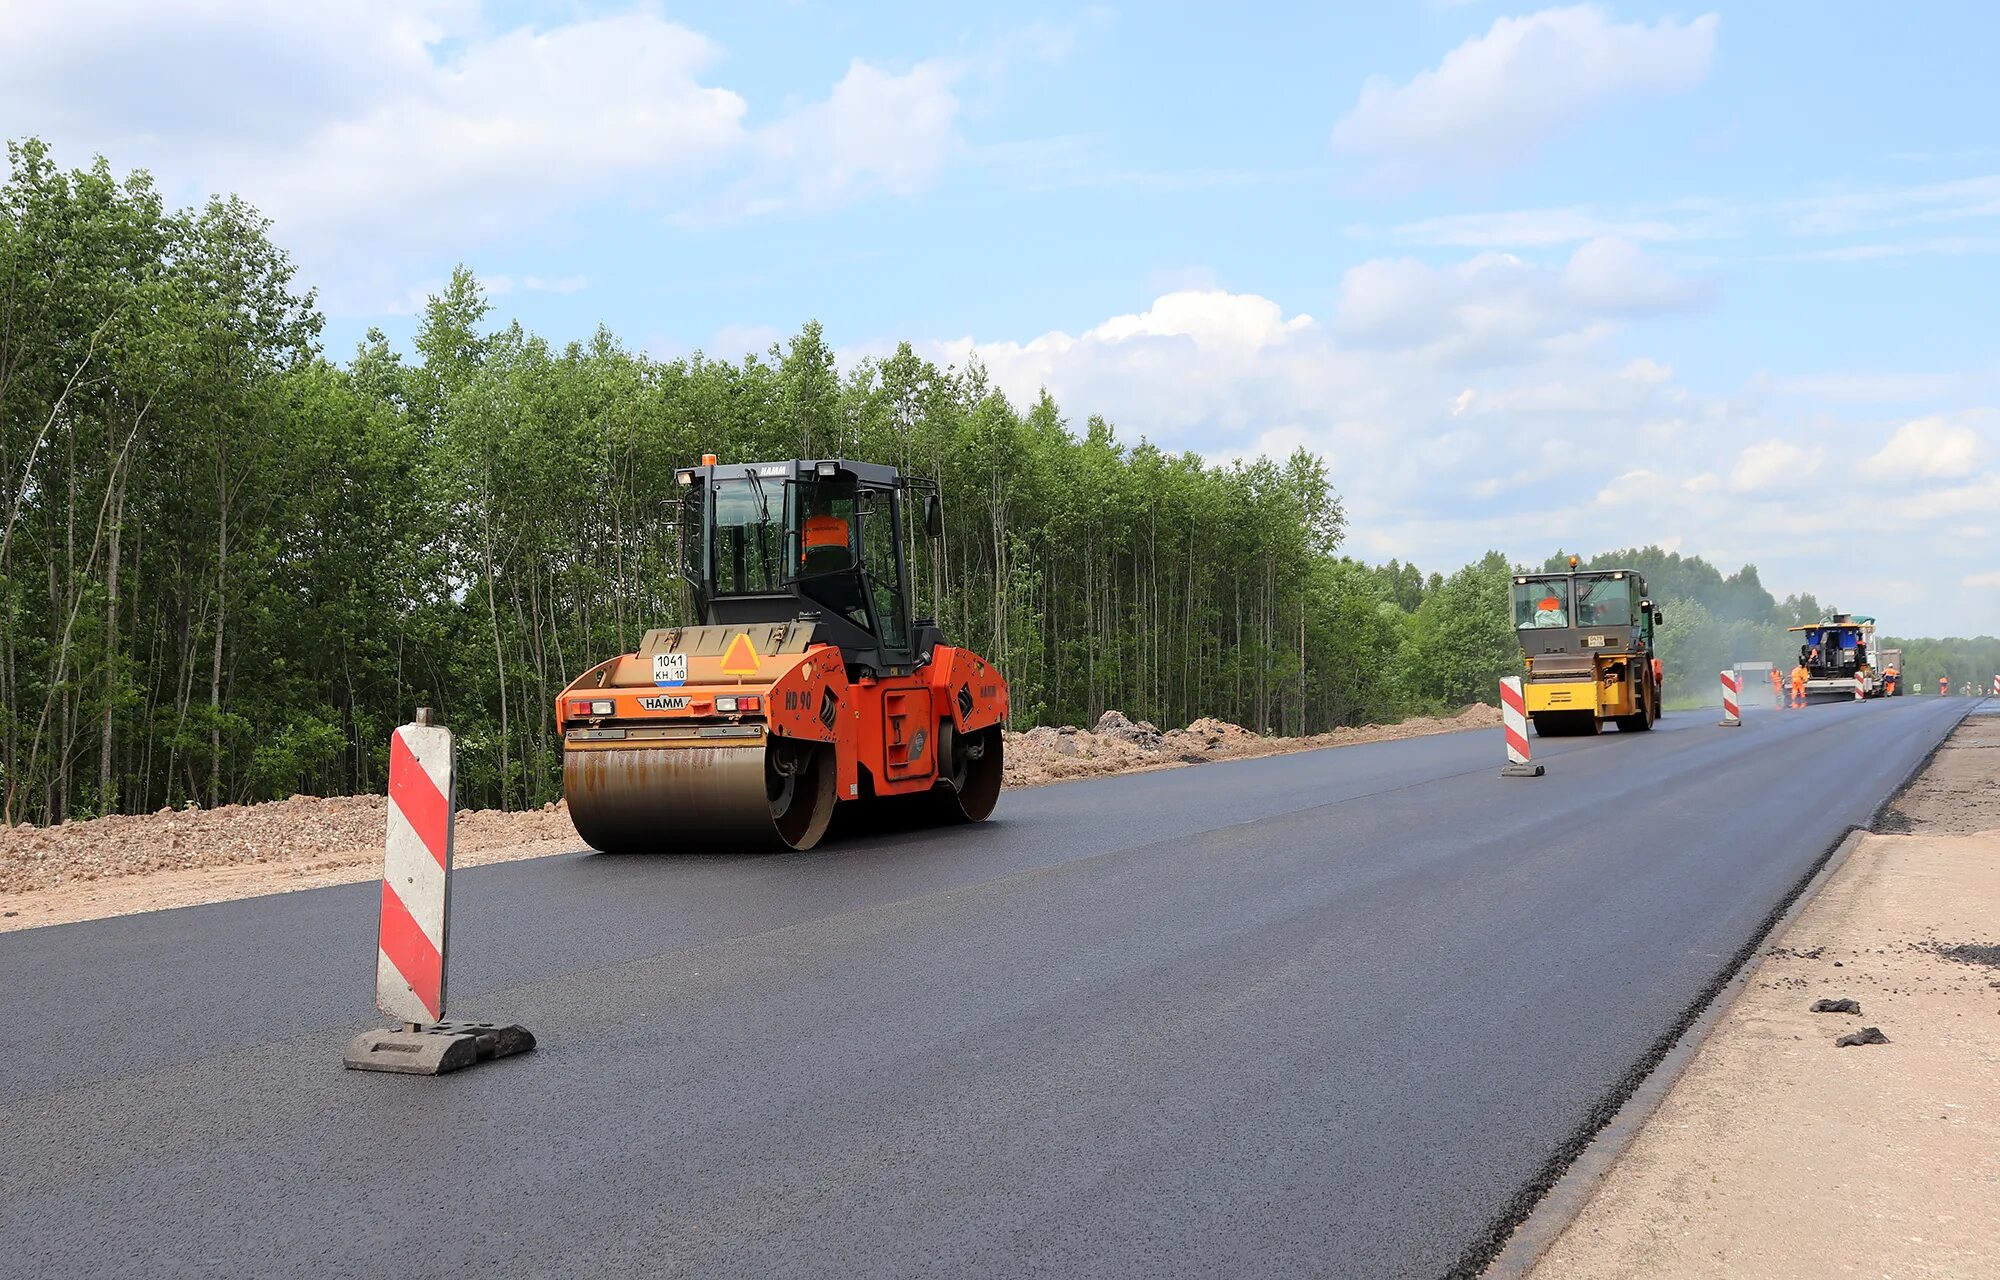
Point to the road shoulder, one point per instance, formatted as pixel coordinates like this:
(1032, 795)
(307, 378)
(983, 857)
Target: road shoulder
(1780, 1153)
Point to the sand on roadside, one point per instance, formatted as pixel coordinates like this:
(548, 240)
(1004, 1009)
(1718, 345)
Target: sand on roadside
(1780, 1154)
(175, 858)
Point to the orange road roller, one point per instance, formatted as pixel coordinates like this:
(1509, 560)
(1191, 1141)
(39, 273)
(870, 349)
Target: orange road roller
(806, 684)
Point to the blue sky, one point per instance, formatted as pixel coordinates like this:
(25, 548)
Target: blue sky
(1719, 277)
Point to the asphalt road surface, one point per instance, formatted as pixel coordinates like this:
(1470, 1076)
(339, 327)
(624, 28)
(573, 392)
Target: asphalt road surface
(1325, 1014)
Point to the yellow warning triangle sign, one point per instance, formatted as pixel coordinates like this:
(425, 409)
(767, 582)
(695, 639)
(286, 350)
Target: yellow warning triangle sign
(741, 657)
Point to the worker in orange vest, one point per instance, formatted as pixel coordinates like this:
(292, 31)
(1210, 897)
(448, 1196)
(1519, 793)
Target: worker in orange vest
(1944, 685)
(1799, 676)
(824, 541)
(1889, 679)
(1777, 690)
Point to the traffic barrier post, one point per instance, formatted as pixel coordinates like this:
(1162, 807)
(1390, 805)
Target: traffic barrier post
(1732, 700)
(412, 932)
(1514, 722)
(1860, 686)
(1996, 686)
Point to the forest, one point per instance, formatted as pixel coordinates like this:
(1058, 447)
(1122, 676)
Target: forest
(230, 564)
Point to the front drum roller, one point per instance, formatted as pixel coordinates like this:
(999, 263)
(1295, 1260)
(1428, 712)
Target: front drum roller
(970, 766)
(779, 795)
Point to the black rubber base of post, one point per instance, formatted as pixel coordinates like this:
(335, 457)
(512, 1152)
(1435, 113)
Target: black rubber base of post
(1728, 723)
(1522, 771)
(436, 1049)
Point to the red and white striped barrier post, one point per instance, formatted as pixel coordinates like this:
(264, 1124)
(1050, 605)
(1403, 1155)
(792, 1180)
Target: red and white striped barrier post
(1732, 699)
(1860, 686)
(1514, 722)
(1996, 686)
(416, 871)
(412, 928)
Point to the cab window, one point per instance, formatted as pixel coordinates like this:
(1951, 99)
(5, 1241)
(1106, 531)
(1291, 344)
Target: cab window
(881, 514)
(824, 518)
(1541, 604)
(1603, 602)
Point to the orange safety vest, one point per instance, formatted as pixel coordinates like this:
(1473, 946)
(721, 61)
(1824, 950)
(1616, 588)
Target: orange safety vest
(825, 531)
(1549, 604)
(1798, 677)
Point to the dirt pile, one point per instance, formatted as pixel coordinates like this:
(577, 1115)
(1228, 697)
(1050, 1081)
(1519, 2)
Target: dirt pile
(109, 866)
(1119, 744)
(304, 832)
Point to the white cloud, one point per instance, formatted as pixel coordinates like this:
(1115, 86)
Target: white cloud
(1496, 307)
(875, 130)
(1211, 317)
(1612, 275)
(1774, 465)
(1498, 96)
(1548, 443)
(1931, 448)
(414, 125)
(382, 136)
(1991, 578)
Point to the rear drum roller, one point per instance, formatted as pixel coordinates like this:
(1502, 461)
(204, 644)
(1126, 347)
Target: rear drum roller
(970, 766)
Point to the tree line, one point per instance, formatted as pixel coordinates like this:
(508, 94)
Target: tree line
(229, 565)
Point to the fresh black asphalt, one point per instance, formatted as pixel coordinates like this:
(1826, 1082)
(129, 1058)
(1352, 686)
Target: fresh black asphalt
(1326, 1014)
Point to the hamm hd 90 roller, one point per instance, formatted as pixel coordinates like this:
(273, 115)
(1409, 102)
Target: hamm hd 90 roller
(806, 684)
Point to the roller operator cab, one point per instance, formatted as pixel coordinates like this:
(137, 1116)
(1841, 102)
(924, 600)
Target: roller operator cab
(1588, 641)
(807, 683)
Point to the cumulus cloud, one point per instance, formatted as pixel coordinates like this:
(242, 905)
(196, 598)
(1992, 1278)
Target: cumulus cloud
(377, 118)
(1613, 275)
(1931, 448)
(1498, 96)
(1550, 443)
(1212, 317)
(1496, 307)
(1774, 465)
(876, 131)
(378, 128)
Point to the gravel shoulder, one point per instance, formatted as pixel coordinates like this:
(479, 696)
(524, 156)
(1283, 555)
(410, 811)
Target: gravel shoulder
(175, 858)
(1779, 1153)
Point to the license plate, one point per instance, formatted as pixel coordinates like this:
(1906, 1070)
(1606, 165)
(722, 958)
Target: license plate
(670, 668)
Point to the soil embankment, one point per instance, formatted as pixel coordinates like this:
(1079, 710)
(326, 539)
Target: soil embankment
(119, 865)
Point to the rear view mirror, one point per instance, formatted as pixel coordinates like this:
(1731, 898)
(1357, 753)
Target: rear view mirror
(1658, 617)
(933, 516)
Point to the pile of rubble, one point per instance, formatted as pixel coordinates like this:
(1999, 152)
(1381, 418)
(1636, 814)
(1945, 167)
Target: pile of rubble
(304, 833)
(1119, 744)
(307, 839)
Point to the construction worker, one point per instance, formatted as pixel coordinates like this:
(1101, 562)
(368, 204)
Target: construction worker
(1889, 679)
(1944, 686)
(824, 543)
(1799, 677)
(1777, 690)
(1549, 611)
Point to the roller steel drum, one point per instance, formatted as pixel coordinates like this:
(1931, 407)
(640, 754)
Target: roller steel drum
(700, 799)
